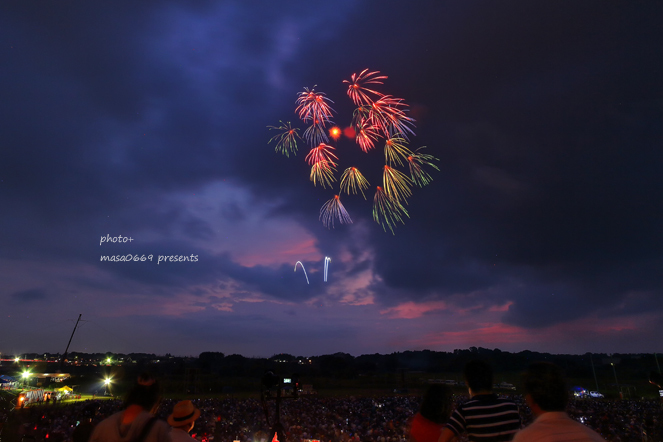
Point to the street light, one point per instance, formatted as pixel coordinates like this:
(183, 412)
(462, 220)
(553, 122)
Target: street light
(25, 375)
(107, 383)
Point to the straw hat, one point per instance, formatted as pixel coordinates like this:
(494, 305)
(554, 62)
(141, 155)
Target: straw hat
(183, 413)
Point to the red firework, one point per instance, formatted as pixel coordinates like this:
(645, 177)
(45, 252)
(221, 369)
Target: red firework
(367, 135)
(377, 117)
(321, 153)
(357, 92)
(314, 106)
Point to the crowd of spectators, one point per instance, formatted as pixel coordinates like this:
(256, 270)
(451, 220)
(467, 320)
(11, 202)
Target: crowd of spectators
(625, 420)
(351, 419)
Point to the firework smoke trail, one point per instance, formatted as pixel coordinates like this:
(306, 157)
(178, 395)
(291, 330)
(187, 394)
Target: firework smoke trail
(327, 260)
(300, 263)
(332, 210)
(351, 180)
(419, 176)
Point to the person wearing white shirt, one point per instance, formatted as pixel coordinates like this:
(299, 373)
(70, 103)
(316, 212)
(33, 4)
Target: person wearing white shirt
(547, 396)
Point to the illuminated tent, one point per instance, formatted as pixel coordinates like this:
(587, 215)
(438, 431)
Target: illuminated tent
(64, 389)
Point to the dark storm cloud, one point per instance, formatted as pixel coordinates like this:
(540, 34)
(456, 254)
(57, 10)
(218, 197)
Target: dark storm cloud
(547, 122)
(29, 296)
(91, 103)
(121, 117)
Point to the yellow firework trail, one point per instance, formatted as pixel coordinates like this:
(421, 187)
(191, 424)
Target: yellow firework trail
(387, 211)
(352, 180)
(418, 175)
(396, 184)
(395, 150)
(323, 172)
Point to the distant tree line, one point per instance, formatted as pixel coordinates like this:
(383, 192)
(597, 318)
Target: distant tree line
(215, 372)
(346, 366)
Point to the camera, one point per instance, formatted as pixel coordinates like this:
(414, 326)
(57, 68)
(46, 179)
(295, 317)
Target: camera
(277, 388)
(283, 386)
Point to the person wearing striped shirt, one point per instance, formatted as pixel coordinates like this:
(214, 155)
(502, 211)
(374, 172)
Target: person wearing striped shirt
(485, 417)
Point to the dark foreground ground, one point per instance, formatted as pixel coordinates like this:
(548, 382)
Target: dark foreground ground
(333, 419)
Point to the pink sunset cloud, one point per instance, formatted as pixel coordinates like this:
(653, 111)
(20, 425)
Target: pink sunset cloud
(412, 310)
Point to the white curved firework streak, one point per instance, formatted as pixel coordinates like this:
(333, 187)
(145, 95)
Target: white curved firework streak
(300, 263)
(327, 259)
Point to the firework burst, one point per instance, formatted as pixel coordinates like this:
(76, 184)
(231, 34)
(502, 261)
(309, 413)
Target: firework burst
(418, 175)
(366, 136)
(351, 180)
(357, 92)
(314, 106)
(316, 134)
(333, 210)
(377, 117)
(396, 184)
(387, 114)
(321, 153)
(323, 172)
(335, 133)
(286, 141)
(387, 211)
(395, 150)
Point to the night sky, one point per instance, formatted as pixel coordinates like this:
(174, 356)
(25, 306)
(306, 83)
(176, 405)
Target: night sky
(542, 230)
